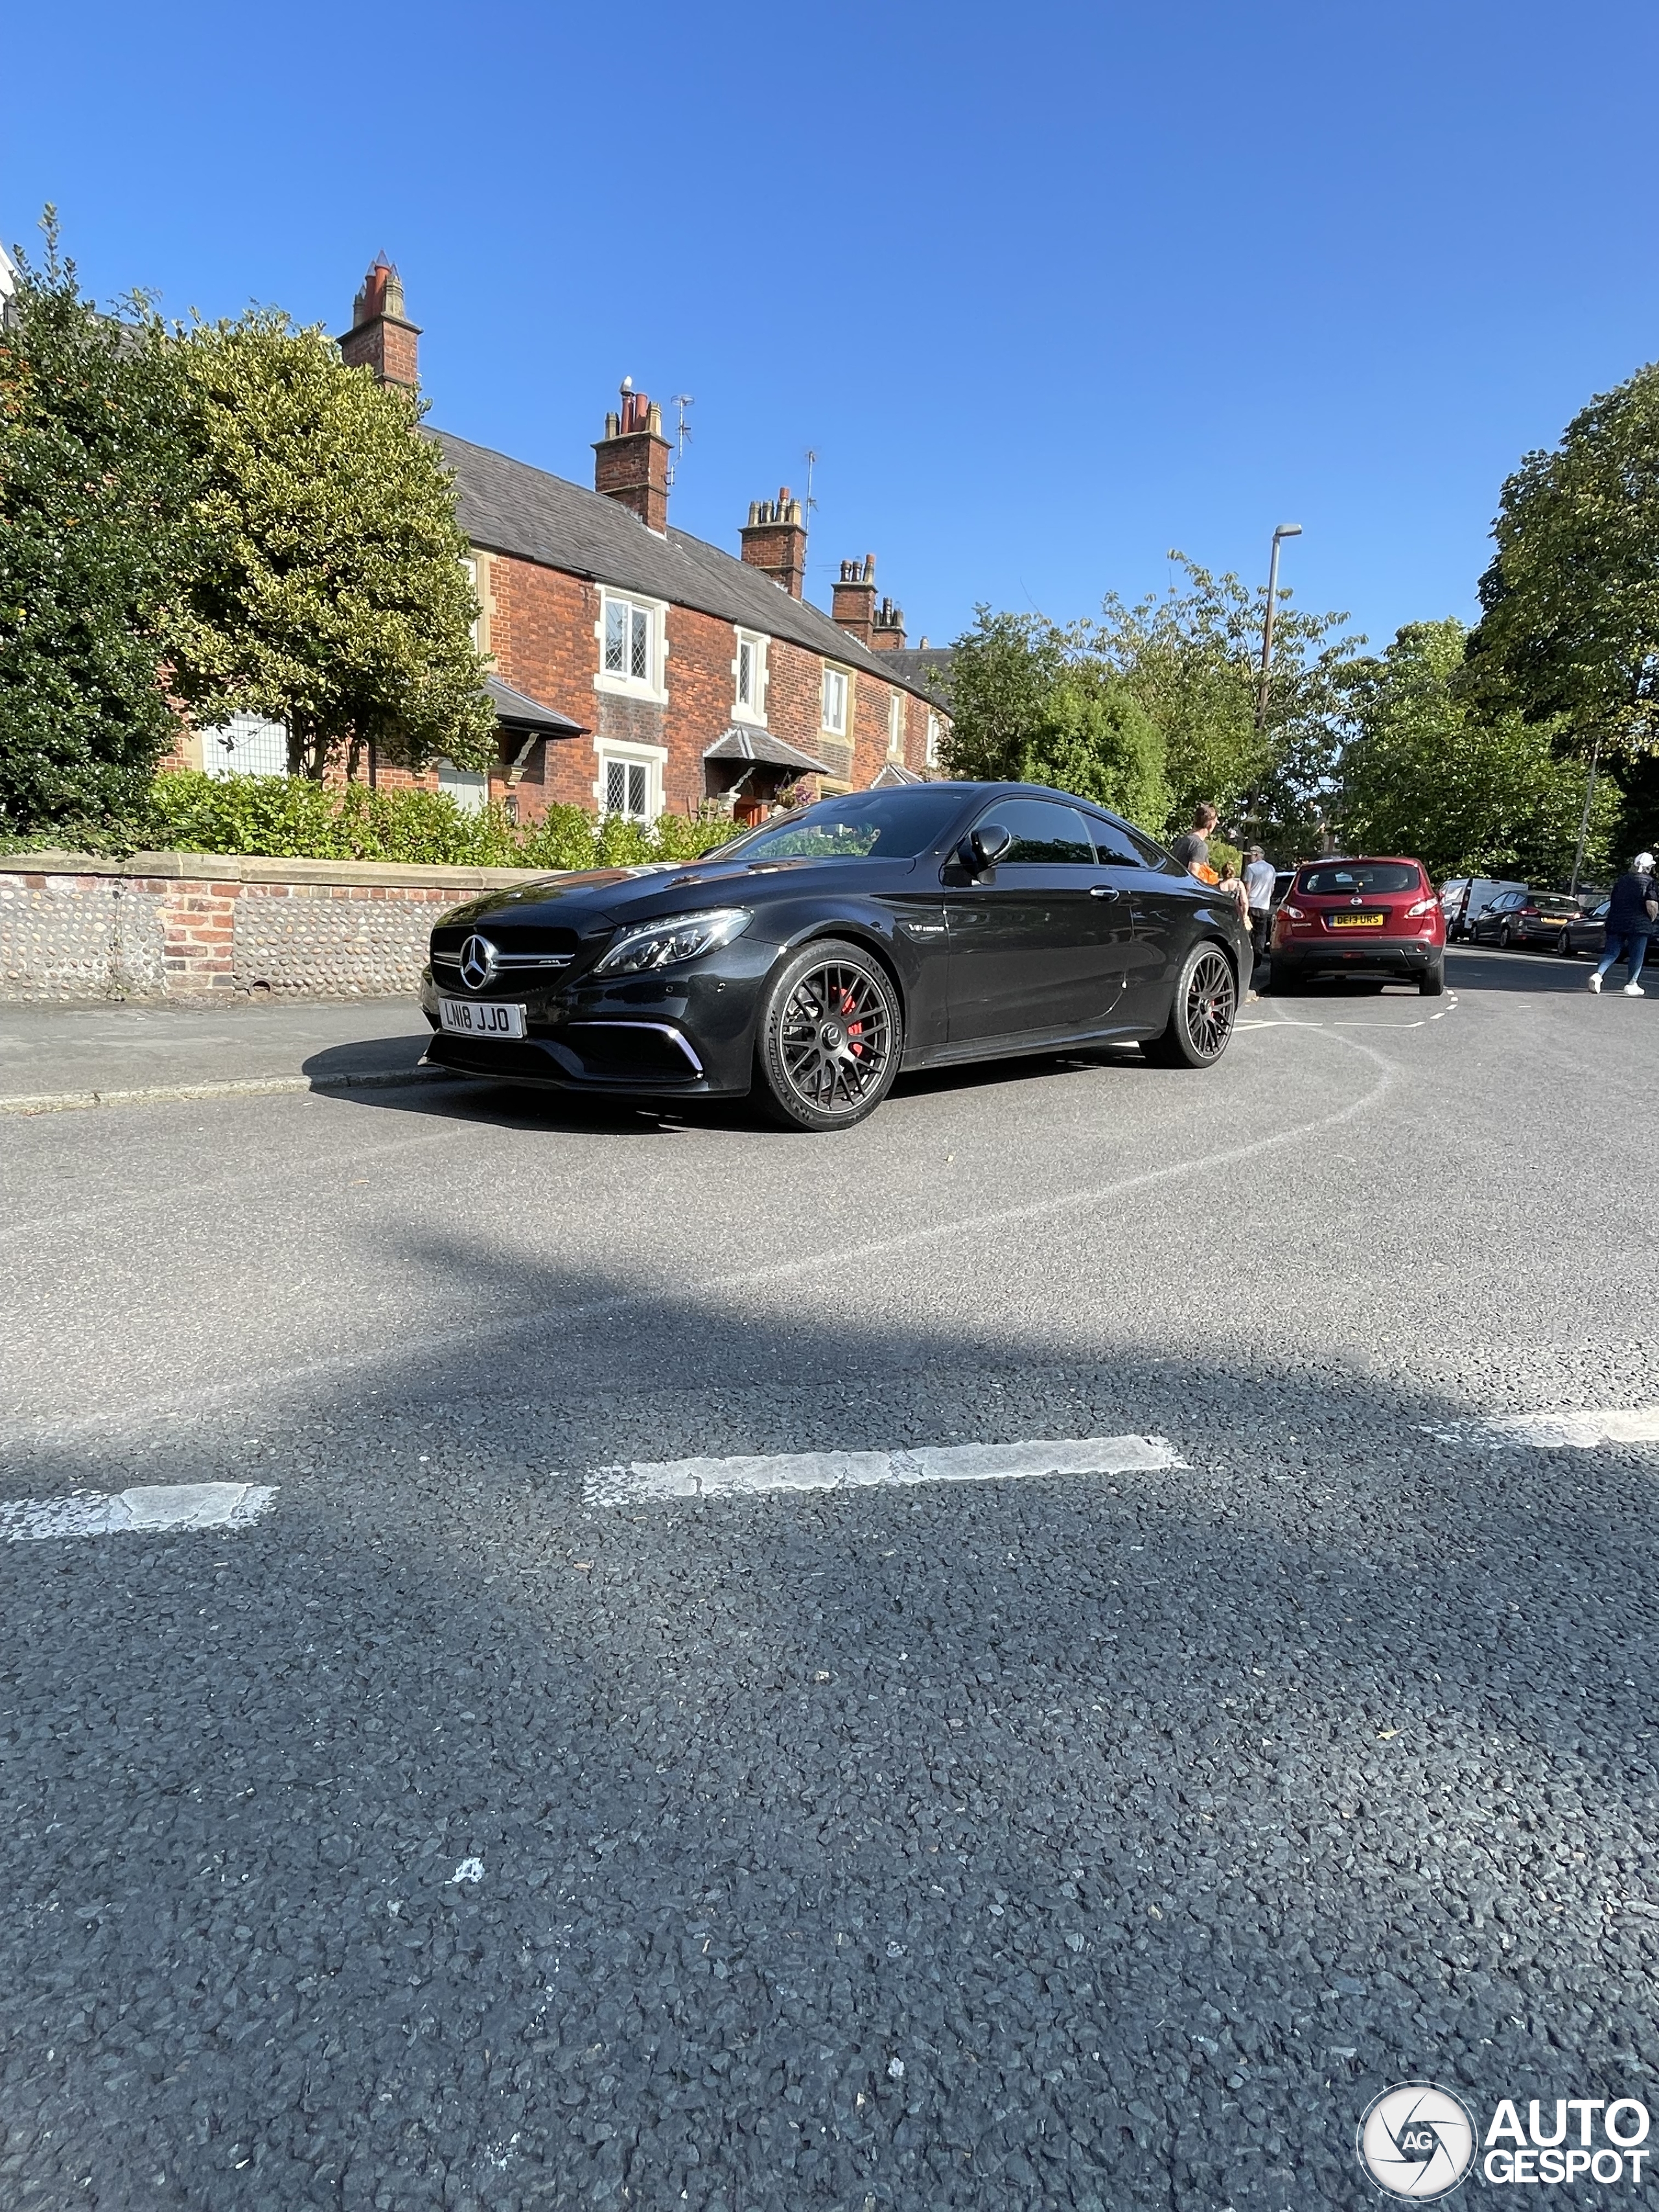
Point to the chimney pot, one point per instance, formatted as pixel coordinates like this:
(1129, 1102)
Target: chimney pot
(381, 337)
(631, 462)
(853, 601)
(775, 542)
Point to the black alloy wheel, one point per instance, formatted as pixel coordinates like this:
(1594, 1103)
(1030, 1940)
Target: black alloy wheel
(1202, 1014)
(1505, 936)
(831, 1037)
(1564, 944)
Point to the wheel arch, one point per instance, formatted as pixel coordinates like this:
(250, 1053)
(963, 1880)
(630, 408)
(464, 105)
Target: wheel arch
(867, 940)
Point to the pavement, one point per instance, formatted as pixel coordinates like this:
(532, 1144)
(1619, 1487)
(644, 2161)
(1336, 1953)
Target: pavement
(57, 1057)
(585, 1729)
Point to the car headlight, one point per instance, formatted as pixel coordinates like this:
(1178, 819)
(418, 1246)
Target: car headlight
(681, 937)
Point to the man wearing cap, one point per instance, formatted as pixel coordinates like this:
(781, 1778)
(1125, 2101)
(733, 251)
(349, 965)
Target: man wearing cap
(1259, 880)
(1631, 913)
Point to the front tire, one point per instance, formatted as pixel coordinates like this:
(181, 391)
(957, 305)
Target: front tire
(830, 1040)
(1564, 946)
(1202, 1014)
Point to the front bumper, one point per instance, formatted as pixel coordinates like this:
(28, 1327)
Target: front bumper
(673, 1032)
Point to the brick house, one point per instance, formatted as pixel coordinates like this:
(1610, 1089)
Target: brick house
(638, 668)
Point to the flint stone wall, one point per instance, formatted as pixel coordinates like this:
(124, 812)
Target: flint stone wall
(191, 925)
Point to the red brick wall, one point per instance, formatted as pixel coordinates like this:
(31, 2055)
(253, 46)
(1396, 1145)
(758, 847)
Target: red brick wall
(542, 628)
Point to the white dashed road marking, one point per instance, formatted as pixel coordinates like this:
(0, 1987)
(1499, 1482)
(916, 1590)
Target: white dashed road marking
(1555, 1431)
(156, 1506)
(750, 1477)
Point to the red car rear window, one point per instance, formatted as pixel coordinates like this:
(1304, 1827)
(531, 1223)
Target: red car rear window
(1343, 878)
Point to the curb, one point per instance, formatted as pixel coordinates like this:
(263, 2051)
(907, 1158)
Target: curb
(255, 1086)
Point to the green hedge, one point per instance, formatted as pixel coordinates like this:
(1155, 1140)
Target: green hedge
(289, 818)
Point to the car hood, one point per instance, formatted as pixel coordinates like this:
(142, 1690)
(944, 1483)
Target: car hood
(600, 896)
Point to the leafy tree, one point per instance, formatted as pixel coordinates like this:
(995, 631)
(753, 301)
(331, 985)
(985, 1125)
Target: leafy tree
(1570, 626)
(1426, 772)
(1031, 702)
(1569, 632)
(95, 478)
(1094, 739)
(327, 590)
(1192, 659)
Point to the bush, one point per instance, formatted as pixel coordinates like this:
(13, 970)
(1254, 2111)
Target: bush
(291, 818)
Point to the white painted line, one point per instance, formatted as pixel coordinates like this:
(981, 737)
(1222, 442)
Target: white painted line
(1573, 1432)
(750, 1477)
(155, 1507)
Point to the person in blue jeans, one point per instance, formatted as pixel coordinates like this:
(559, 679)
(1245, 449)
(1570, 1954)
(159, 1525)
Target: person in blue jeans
(1632, 912)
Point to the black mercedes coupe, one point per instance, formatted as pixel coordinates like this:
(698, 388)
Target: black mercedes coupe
(813, 958)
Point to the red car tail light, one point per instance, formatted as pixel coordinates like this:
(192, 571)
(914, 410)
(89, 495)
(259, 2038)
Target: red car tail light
(1423, 905)
(1292, 912)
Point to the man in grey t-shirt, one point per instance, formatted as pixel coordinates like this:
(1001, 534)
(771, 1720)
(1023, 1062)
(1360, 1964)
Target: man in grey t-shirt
(1192, 850)
(1259, 881)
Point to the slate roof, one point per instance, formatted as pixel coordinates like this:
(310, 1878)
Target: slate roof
(761, 746)
(507, 507)
(925, 667)
(517, 710)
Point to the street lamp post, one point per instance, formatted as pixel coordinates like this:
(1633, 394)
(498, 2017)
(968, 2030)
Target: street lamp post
(1284, 530)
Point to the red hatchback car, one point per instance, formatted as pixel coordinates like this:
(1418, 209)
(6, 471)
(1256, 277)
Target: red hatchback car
(1360, 918)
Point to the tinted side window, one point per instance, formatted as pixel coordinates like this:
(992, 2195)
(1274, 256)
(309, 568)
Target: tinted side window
(1112, 845)
(1045, 835)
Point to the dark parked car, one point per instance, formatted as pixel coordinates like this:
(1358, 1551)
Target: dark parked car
(817, 956)
(1529, 917)
(1360, 917)
(1586, 932)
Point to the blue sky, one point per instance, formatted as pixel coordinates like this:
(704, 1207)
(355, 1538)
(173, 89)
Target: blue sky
(1049, 288)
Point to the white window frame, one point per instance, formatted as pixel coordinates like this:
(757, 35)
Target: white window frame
(932, 756)
(653, 684)
(752, 709)
(652, 759)
(896, 726)
(837, 688)
(255, 737)
(475, 631)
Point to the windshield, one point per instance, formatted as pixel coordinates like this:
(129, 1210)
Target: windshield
(865, 825)
(1343, 878)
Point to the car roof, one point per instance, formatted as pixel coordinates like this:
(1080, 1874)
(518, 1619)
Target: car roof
(1365, 861)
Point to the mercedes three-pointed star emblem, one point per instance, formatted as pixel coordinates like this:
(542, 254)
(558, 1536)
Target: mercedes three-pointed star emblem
(477, 962)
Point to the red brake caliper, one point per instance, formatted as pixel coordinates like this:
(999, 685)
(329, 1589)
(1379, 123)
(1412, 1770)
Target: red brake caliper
(855, 1029)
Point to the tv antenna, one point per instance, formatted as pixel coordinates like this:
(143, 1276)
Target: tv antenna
(681, 434)
(812, 464)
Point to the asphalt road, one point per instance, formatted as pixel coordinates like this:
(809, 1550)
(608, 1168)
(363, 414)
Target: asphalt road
(443, 1839)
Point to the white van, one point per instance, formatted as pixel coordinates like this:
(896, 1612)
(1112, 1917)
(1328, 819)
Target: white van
(1463, 897)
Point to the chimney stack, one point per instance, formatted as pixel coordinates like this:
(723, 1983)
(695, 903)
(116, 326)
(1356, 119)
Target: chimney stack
(887, 629)
(381, 336)
(774, 541)
(631, 462)
(853, 604)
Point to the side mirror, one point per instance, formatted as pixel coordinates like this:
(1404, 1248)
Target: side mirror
(981, 848)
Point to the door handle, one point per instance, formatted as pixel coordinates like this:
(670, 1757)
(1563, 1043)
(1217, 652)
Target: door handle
(1105, 891)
